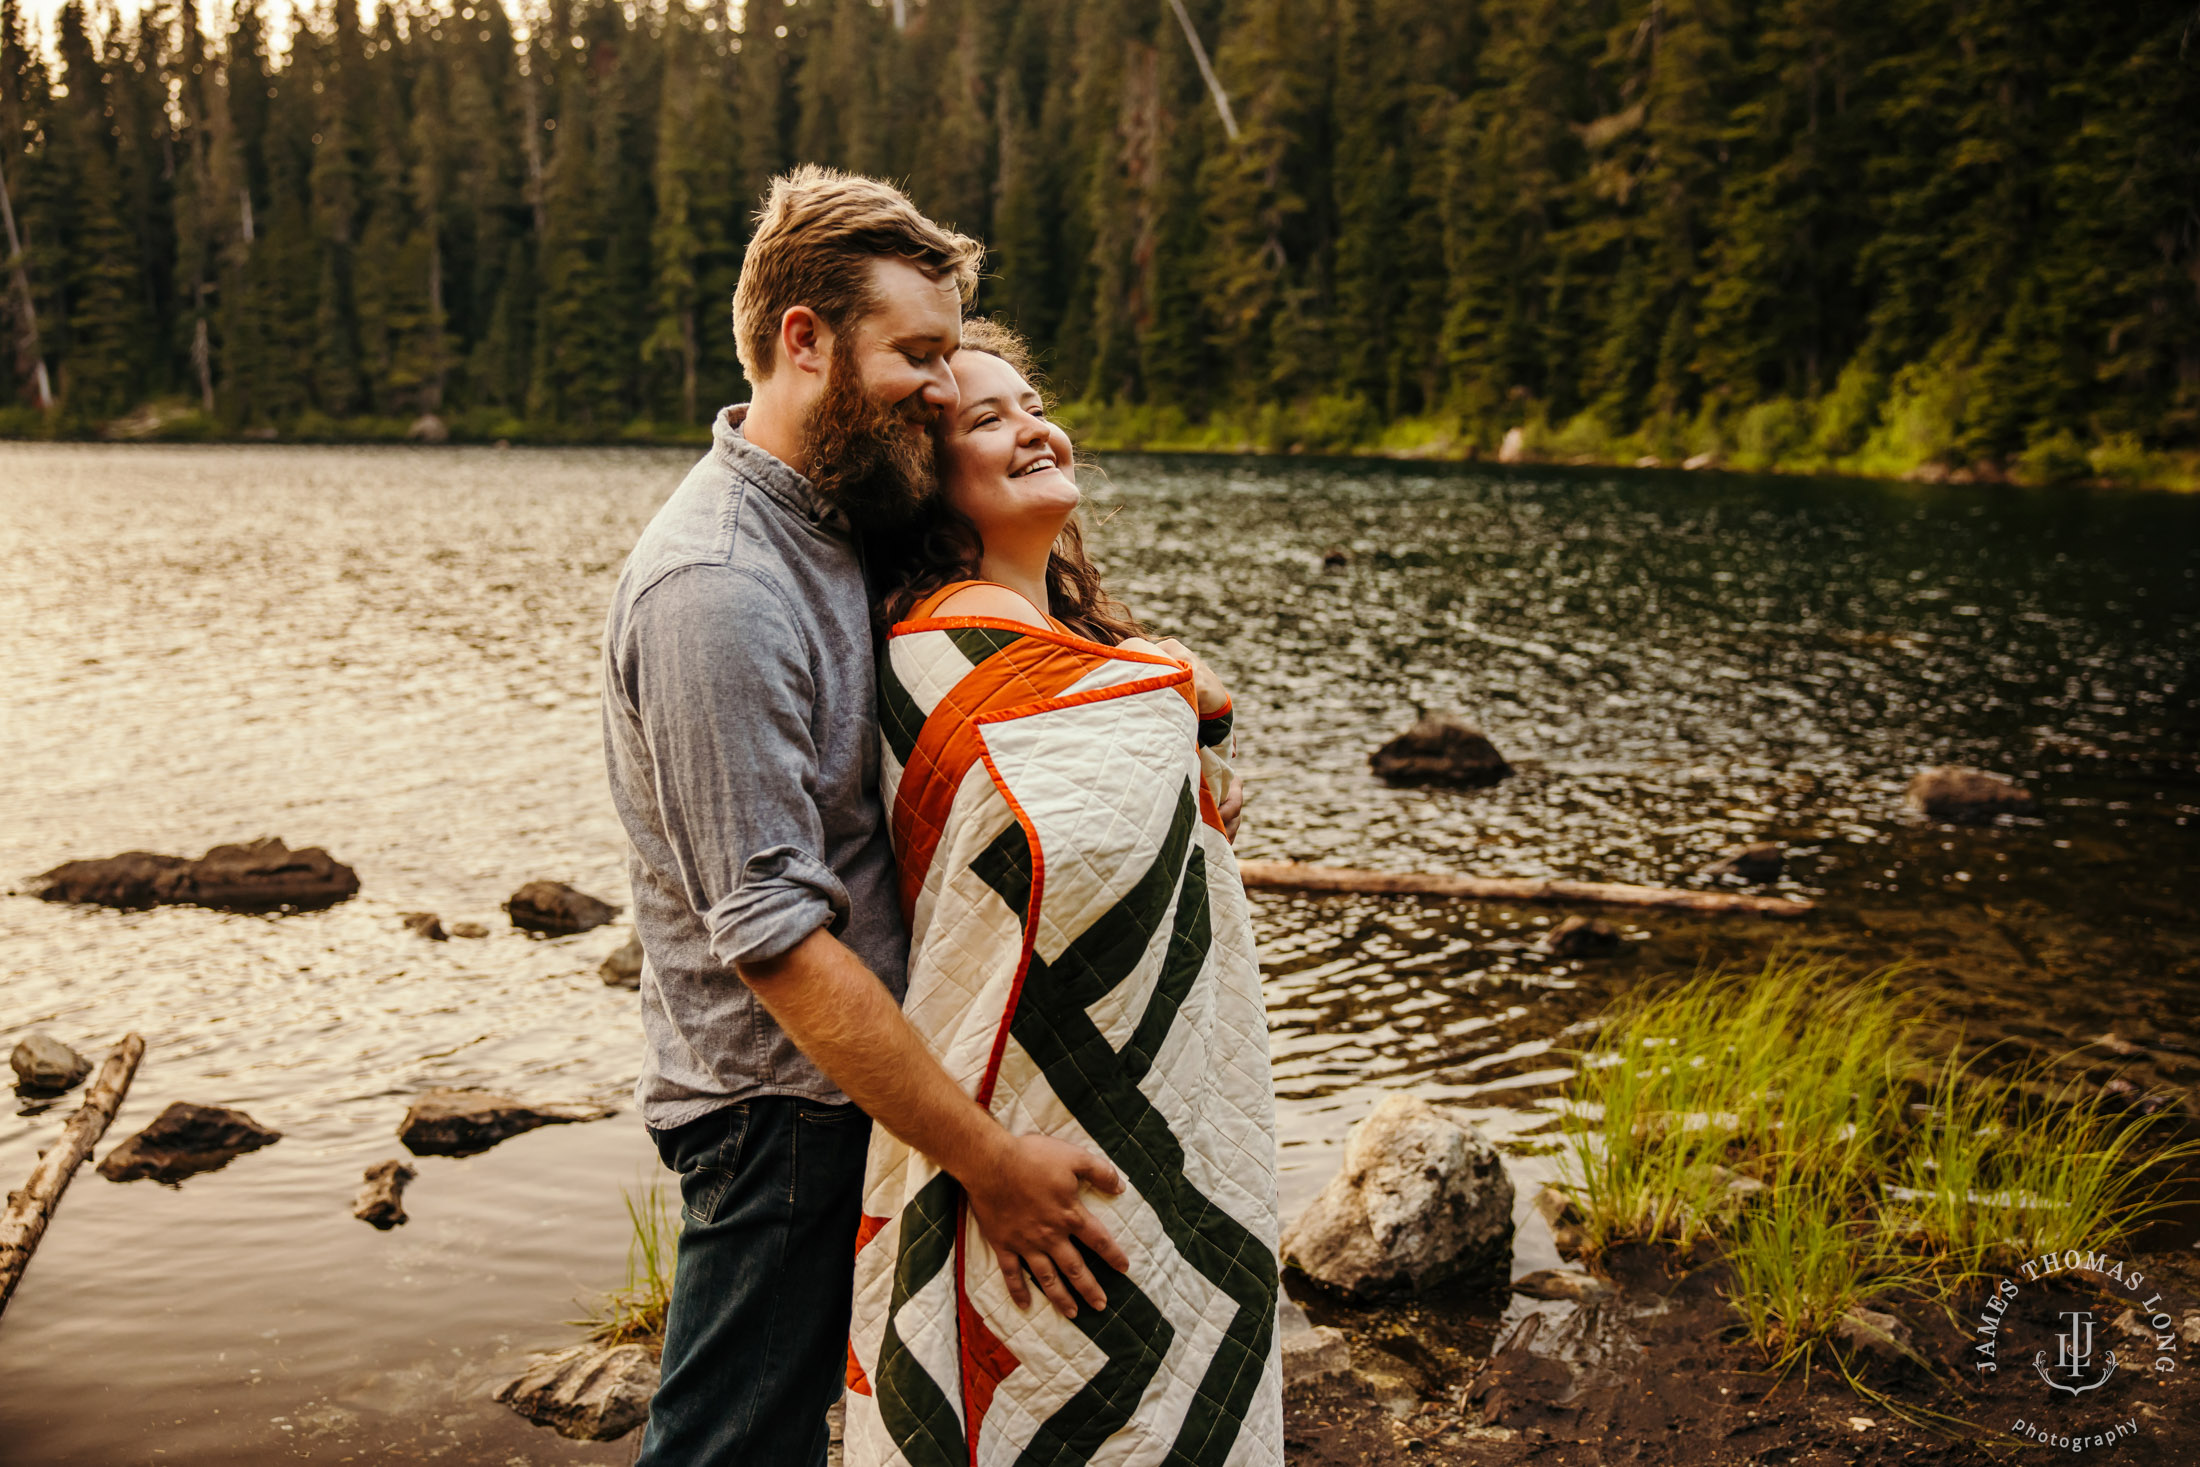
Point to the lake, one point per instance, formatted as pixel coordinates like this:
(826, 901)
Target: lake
(393, 653)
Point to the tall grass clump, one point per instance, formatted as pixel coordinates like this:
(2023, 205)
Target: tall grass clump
(635, 1312)
(1792, 1119)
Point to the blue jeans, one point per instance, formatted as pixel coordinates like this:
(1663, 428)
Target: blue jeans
(756, 1339)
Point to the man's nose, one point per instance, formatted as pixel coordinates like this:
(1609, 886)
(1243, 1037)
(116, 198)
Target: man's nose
(939, 388)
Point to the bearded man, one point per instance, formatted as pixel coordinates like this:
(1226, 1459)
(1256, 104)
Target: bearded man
(742, 738)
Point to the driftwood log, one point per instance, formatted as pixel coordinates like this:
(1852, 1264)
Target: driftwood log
(1291, 876)
(31, 1207)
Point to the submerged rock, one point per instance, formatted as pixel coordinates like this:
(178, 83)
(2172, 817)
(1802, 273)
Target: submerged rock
(257, 876)
(44, 1064)
(1562, 1283)
(1565, 1220)
(623, 969)
(1440, 749)
(1966, 796)
(184, 1140)
(1421, 1198)
(381, 1201)
(1755, 864)
(552, 906)
(466, 1122)
(425, 924)
(468, 929)
(1581, 937)
(591, 1393)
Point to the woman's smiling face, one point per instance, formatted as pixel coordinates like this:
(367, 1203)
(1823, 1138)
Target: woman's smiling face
(1003, 465)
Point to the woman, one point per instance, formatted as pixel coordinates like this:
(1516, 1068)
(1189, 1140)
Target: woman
(1081, 959)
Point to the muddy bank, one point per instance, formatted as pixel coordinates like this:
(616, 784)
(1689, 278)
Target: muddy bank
(1658, 1375)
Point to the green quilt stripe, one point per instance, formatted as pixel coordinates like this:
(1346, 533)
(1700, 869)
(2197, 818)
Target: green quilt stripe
(899, 717)
(1005, 865)
(1098, 1087)
(1189, 940)
(1105, 953)
(979, 643)
(917, 1415)
(1136, 1337)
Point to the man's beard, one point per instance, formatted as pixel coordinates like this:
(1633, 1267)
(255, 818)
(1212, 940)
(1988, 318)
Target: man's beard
(873, 460)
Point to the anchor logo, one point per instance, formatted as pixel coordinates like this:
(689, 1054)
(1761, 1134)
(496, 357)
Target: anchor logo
(2073, 1353)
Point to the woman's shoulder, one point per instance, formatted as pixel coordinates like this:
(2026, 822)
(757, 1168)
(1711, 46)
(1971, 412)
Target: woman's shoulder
(988, 599)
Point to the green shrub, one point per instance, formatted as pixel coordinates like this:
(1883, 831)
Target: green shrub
(2055, 458)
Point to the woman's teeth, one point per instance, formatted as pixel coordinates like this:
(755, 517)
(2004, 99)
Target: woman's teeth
(1033, 467)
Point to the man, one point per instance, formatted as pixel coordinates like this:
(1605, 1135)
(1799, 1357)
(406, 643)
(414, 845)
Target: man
(743, 749)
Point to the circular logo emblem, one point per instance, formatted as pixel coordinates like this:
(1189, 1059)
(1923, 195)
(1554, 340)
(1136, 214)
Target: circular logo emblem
(2077, 1351)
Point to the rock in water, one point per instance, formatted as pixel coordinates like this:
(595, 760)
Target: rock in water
(381, 1200)
(1421, 1198)
(1562, 1283)
(1581, 937)
(1966, 796)
(465, 1122)
(468, 930)
(623, 969)
(424, 924)
(256, 877)
(1513, 448)
(552, 906)
(1755, 864)
(428, 428)
(1440, 749)
(44, 1064)
(186, 1139)
(591, 1393)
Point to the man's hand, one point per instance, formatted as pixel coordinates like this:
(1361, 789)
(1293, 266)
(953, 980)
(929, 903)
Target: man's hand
(1212, 696)
(1022, 1189)
(1231, 807)
(1028, 1207)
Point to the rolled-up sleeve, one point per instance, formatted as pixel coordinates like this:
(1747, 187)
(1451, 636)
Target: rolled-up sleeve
(718, 676)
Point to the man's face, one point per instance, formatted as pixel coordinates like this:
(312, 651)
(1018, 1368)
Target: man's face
(869, 437)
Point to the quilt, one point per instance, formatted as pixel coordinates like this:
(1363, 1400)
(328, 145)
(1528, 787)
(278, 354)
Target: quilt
(1082, 962)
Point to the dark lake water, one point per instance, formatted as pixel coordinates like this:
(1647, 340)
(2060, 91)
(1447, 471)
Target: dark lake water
(392, 653)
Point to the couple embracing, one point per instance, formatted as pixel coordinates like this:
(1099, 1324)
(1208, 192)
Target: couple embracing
(953, 1024)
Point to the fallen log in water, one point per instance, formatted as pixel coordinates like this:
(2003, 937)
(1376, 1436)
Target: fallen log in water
(31, 1207)
(1291, 876)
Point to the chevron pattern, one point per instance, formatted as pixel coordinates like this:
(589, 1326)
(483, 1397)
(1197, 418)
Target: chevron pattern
(1082, 961)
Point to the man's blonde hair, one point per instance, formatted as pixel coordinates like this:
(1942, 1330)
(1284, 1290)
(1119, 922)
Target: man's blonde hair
(815, 239)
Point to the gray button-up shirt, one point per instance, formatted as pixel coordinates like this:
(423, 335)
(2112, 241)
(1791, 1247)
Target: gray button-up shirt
(741, 728)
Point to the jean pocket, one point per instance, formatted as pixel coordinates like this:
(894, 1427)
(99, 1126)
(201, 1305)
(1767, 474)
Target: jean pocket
(708, 1172)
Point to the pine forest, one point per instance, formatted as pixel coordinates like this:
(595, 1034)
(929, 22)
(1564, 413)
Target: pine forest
(1950, 238)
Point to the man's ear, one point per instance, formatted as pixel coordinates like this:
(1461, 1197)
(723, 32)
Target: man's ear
(805, 341)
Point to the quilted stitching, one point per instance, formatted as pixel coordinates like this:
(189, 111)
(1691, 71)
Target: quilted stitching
(1138, 1031)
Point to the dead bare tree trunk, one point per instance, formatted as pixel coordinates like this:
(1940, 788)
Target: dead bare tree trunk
(1206, 69)
(31, 1207)
(1291, 876)
(28, 318)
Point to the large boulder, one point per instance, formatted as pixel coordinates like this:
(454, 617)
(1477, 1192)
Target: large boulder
(43, 1063)
(591, 1393)
(184, 1140)
(466, 1122)
(554, 907)
(1440, 749)
(1421, 1198)
(257, 876)
(1966, 796)
(382, 1200)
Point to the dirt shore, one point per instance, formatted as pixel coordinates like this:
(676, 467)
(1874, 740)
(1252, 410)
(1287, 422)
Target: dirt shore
(1660, 1375)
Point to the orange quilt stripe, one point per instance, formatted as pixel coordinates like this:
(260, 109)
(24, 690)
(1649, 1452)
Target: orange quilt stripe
(857, 1380)
(867, 1228)
(1028, 671)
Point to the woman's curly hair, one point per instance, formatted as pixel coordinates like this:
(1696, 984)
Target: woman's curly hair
(942, 546)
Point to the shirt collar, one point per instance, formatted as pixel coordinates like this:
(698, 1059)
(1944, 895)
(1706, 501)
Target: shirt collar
(771, 474)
